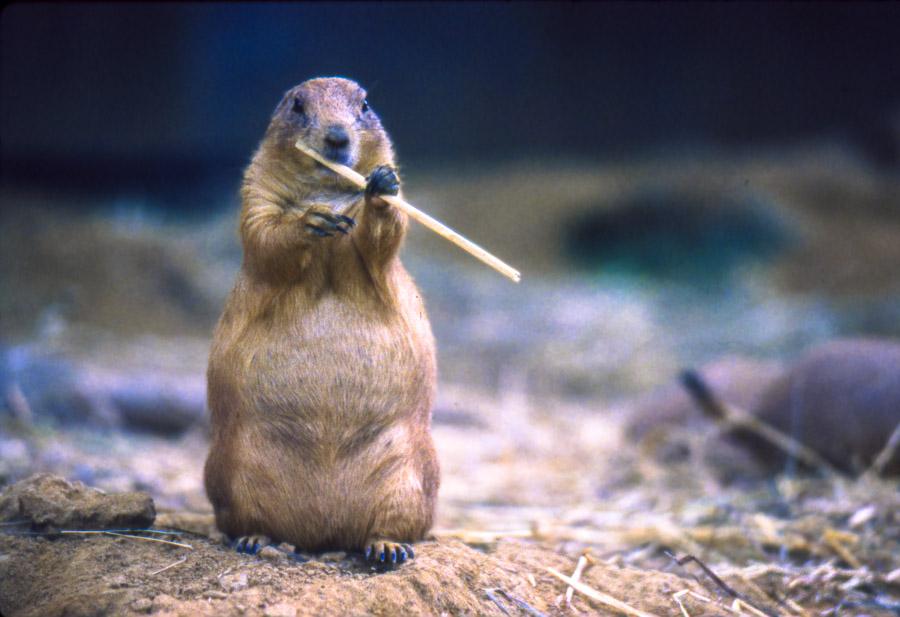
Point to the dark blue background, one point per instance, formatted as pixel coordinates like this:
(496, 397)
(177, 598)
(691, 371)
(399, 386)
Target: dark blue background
(140, 95)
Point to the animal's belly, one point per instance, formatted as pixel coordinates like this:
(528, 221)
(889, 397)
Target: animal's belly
(334, 369)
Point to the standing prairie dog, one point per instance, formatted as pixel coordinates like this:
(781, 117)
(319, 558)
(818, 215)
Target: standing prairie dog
(322, 369)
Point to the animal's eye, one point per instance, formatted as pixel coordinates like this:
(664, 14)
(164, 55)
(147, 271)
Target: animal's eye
(365, 106)
(298, 106)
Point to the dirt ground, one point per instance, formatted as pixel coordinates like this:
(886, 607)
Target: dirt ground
(102, 362)
(527, 488)
(105, 575)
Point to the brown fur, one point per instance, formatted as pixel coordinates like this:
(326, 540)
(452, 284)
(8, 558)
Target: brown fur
(322, 369)
(841, 398)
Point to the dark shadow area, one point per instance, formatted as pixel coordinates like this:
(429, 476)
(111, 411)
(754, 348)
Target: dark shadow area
(697, 239)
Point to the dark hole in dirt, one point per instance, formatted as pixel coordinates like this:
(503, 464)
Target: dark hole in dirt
(698, 239)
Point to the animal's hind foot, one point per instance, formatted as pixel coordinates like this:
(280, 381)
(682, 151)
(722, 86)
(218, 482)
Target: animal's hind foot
(250, 545)
(387, 553)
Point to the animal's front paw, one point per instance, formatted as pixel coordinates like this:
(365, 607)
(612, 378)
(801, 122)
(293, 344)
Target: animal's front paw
(250, 544)
(322, 222)
(382, 181)
(387, 553)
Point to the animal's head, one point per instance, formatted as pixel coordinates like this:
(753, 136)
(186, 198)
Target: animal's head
(331, 115)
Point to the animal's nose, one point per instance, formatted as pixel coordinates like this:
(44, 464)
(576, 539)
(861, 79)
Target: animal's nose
(336, 136)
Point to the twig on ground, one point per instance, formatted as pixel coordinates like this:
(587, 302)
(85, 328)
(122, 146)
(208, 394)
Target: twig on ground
(739, 605)
(576, 576)
(493, 598)
(732, 416)
(124, 535)
(684, 592)
(161, 541)
(171, 565)
(522, 604)
(834, 539)
(739, 599)
(599, 596)
(886, 455)
(707, 570)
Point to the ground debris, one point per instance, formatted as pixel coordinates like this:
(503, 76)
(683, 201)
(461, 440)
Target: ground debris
(44, 502)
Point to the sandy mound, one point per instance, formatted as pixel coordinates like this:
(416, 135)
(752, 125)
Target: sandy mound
(62, 572)
(100, 575)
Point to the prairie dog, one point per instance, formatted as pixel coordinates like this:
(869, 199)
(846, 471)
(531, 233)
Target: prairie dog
(322, 370)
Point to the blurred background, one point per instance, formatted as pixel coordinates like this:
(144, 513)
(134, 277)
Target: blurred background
(713, 186)
(679, 183)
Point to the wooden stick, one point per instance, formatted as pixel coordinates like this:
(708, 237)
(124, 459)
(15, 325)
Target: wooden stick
(433, 224)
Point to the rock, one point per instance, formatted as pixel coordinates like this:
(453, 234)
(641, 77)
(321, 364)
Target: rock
(38, 384)
(142, 605)
(50, 503)
(841, 398)
(150, 400)
(234, 582)
(271, 553)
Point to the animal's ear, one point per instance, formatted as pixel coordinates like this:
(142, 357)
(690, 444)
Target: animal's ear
(286, 101)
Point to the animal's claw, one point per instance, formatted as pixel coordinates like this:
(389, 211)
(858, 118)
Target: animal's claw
(318, 231)
(382, 181)
(250, 545)
(388, 554)
(324, 223)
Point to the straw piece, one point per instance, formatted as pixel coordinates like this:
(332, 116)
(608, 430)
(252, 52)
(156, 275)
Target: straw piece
(886, 455)
(433, 224)
(126, 535)
(171, 565)
(576, 576)
(685, 592)
(599, 596)
(834, 539)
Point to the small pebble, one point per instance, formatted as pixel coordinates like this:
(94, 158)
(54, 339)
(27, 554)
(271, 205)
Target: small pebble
(280, 610)
(334, 556)
(118, 582)
(234, 582)
(270, 553)
(862, 516)
(142, 605)
(217, 595)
